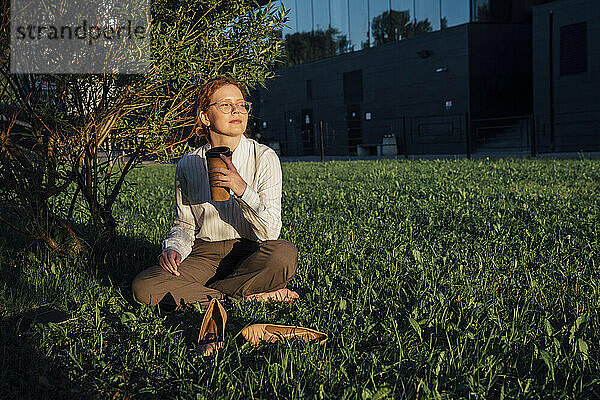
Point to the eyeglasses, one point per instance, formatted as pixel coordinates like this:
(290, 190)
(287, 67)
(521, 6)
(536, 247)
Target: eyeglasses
(227, 108)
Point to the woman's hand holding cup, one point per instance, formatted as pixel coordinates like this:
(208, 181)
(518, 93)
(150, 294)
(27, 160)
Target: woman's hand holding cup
(229, 178)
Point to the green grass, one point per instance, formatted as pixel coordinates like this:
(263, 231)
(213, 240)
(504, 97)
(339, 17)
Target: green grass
(434, 279)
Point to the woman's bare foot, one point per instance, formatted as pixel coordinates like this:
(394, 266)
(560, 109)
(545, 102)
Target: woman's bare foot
(282, 295)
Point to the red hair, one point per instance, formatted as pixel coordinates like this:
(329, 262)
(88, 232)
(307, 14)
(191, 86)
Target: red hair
(203, 100)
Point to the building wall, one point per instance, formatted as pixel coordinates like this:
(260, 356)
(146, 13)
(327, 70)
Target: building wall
(576, 96)
(424, 86)
(397, 82)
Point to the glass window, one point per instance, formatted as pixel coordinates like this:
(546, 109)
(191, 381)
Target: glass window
(321, 14)
(376, 9)
(291, 6)
(427, 13)
(355, 18)
(358, 23)
(406, 6)
(455, 12)
(339, 16)
(304, 15)
(480, 10)
(403, 12)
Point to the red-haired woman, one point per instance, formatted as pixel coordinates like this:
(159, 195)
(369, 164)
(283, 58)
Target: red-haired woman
(229, 248)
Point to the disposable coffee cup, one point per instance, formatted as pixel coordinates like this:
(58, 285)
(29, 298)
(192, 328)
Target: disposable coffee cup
(213, 159)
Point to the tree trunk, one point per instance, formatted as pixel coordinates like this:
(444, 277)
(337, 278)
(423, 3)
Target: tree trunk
(104, 240)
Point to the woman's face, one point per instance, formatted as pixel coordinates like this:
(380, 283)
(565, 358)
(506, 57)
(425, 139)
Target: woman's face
(232, 124)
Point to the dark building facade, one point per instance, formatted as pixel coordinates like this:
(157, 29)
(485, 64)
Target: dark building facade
(423, 85)
(458, 90)
(566, 80)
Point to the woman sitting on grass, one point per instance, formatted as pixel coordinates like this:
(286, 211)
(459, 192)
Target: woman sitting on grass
(225, 248)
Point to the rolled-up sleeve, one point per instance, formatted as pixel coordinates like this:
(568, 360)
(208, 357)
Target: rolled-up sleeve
(181, 236)
(262, 206)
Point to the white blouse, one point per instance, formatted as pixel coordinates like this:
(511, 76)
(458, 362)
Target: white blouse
(256, 215)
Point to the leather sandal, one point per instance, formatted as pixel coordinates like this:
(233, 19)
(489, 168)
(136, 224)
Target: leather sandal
(212, 331)
(272, 333)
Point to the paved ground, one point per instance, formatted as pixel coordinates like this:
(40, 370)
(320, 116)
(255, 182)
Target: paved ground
(477, 155)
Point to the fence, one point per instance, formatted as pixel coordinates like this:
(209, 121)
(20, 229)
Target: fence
(443, 134)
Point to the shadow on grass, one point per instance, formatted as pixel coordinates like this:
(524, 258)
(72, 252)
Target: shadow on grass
(26, 372)
(115, 265)
(126, 258)
(24, 369)
(26, 269)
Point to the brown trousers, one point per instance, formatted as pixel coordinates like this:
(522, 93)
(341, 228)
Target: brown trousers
(235, 268)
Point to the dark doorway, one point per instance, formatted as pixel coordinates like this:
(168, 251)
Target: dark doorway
(353, 87)
(354, 130)
(308, 135)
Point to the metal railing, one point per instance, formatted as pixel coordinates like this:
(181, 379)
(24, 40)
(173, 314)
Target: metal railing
(457, 134)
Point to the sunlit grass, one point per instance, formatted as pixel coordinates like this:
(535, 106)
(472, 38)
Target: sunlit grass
(437, 279)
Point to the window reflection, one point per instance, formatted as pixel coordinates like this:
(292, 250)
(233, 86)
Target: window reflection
(308, 15)
(377, 9)
(292, 17)
(454, 12)
(305, 21)
(427, 13)
(406, 6)
(321, 14)
(339, 15)
(358, 23)
(373, 22)
(480, 10)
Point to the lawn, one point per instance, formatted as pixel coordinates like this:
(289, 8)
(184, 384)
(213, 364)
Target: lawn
(434, 279)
